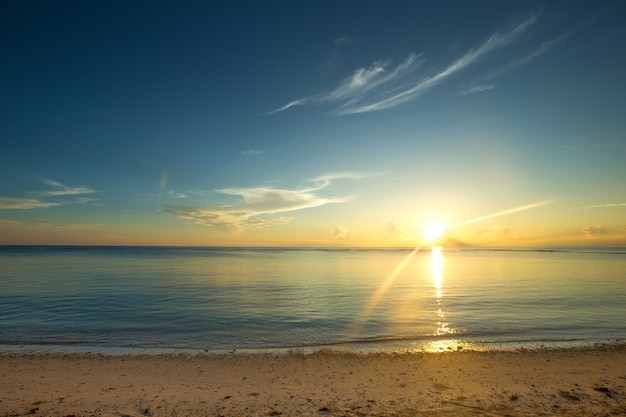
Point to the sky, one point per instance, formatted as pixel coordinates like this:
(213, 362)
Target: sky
(313, 123)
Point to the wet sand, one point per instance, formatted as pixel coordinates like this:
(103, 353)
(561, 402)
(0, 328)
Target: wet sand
(575, 381)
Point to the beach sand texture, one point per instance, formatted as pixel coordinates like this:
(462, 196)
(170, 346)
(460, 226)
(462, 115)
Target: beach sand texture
(544, 382)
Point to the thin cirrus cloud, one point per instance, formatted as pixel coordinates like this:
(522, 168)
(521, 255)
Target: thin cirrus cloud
(175, 194)
(362, 86)
(60, 189)
(20, 203)
(256, 203)
(251, 152)
(482, 85)
(380, 87)
(57, 196)
(477, 89)
(606, 205)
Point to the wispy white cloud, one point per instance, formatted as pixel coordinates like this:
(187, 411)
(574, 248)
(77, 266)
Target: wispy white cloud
(379, 87)
(363, 85)
(232, 221)
(325, 180)
(477, 89)
(485, 80)
(24, 203)
(339, 43)
(251, 152)
(542, 49)
(257, 205)
(175, 194)
(274, 200)
(340, 233)
(170, 194)
(298, 102)
(496, 41)
(60, 189)
(49, 198)
(597, 230)
(343, 40)
(606, 205)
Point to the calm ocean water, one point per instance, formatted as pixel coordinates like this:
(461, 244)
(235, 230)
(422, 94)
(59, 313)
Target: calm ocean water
(224, 298)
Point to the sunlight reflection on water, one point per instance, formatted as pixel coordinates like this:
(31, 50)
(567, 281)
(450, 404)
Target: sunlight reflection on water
(220, 298)
(436, 264)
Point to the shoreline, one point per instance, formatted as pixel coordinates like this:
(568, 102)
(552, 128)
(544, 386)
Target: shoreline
(430, 345)
(522, 382)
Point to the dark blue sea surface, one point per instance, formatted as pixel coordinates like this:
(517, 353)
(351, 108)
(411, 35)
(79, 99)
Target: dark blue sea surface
(267, 298)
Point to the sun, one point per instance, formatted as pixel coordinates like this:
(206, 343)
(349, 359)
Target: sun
(433, 230)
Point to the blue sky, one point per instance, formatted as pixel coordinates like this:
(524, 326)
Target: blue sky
(313, 123)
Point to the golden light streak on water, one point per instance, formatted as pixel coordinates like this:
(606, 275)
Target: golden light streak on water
(357, 325)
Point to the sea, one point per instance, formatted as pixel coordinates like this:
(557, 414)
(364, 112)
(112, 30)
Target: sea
(221, 299)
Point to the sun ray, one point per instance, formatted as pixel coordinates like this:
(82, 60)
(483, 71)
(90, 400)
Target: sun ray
(502, 213)
(359, 322)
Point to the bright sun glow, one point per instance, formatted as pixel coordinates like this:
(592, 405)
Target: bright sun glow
(433, 230)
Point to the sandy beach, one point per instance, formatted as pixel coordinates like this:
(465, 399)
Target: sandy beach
(575, 381)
